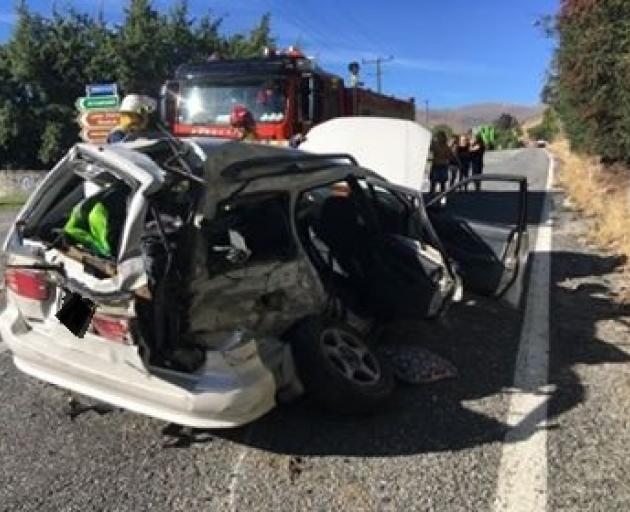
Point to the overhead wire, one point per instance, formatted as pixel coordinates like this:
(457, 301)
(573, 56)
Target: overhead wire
(323, 30)
(341, 37)
(309, 29)
(368, 34)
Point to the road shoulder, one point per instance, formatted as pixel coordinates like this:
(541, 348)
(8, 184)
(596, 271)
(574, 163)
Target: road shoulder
(589, 413)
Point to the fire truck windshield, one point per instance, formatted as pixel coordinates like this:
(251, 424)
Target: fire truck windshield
(212, 102)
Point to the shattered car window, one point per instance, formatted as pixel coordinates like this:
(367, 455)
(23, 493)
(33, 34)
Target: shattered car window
(252, 229)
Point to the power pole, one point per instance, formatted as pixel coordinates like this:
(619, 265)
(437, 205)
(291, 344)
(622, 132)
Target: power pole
(426, 112)
(379, 72)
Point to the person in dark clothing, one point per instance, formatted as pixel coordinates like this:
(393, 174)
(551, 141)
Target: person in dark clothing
(442, 156)
(454, 164)
(463, 154)
(477, 150)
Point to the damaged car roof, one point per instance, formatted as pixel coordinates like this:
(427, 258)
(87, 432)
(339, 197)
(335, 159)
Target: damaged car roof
(267, 168)
(282, 168)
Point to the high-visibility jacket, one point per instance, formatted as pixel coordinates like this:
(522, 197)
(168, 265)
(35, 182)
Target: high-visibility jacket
(97, 221)
(90, 227)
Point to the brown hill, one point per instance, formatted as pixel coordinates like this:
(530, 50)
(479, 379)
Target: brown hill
(468, 116)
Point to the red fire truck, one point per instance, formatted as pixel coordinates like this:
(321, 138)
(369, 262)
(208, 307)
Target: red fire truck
(284, 94)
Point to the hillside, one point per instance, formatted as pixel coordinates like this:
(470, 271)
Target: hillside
(468, 116)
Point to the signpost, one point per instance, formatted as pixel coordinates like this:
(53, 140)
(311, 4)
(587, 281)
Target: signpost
(95, 135)
(100, 119)
(101, 90)
(97, 102)
(98, 111)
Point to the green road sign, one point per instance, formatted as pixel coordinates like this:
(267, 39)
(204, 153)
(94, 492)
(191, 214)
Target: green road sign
(97, 102)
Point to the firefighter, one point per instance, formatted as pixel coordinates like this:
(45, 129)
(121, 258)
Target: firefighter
(241, 119)
(135, 110)
(270, 103)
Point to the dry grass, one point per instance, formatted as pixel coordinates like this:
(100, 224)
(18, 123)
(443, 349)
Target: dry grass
(600, 193)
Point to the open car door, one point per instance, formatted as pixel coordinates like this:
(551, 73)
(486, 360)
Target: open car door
(485, 233)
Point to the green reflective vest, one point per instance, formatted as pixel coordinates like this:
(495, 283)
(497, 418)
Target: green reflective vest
(90, 228)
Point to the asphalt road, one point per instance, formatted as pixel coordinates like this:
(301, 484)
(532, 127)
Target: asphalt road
(435, 447)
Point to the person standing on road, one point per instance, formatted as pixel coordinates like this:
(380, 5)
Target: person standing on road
(477, 150)
(463, 154)
(454, 164)
(442, 157)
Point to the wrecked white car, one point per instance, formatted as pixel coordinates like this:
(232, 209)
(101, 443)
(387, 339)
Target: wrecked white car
(200, 281)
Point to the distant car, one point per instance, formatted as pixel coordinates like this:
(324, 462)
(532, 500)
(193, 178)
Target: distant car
(541, 143)
(238, 274)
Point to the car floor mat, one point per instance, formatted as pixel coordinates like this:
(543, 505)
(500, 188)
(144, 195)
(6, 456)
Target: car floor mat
(417, 365)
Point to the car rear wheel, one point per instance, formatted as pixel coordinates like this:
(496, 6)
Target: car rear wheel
(337, 367)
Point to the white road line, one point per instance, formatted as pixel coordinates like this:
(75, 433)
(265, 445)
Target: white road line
(522, 484)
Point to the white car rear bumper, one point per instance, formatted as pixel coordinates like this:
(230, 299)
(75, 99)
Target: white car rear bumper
(233, 388)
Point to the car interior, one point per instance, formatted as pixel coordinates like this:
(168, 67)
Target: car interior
(84, 193)
(358, 240)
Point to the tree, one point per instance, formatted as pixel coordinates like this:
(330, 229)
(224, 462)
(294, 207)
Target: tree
(506, 122)
(587, 83)
(547, 129)
(141, 52)
(23, 97)
(251, 46)
(507, 131)
(47, 62)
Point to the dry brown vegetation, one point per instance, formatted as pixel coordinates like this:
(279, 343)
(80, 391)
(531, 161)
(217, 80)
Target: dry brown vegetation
(601, 193)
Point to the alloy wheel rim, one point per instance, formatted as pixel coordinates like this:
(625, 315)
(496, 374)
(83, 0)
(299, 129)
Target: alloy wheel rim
(350, 357)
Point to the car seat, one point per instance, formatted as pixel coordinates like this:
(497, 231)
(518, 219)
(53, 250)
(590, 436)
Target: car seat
(339, 227)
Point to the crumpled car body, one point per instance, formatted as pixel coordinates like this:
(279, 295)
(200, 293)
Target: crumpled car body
(221, 249)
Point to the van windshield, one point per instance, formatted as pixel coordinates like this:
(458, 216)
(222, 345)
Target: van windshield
(212, 103)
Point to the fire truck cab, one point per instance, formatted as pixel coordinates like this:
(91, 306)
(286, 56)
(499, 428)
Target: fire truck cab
(286, 94)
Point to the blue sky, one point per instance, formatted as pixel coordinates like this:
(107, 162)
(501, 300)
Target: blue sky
(451, 52)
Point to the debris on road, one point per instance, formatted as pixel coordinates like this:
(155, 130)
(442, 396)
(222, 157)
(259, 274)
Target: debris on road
(417, 365)
(295, 468)
(75, 408)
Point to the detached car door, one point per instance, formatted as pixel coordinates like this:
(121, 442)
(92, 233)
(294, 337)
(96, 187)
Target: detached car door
(484, 232)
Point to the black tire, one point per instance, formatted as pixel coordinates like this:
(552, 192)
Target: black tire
(338, 368)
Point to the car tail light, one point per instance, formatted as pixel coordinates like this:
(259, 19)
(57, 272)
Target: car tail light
(30, 284)
(114, 328)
